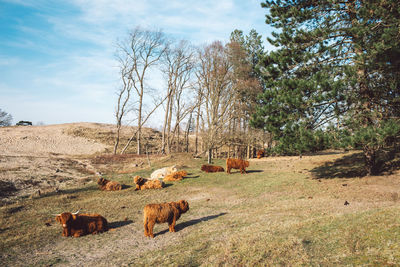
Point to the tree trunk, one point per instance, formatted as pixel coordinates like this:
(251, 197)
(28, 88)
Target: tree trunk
(187, 132)
(164, 132)
(117, 139)
(370, 161)
(209, 156)
(169, 139)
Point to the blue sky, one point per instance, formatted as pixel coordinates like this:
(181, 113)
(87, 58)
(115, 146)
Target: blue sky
(57, 60)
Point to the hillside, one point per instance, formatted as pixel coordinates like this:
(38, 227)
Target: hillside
(53, 157)
(314, 210)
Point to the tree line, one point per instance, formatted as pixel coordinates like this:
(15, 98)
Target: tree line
(331, 82)
(209, 92)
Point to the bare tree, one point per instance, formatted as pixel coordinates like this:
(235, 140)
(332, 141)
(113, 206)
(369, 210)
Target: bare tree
(5, 118)
(214, 76)
(124, 95)
(178, 70)
(140, 53)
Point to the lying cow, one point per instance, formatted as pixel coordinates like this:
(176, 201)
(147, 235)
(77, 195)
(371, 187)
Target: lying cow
(107, 185)
(143, 183)
(236, 164)
(168, 212)
(260, 153)
(211, 168)
(161, 173)
(77, 225)
(175, 176)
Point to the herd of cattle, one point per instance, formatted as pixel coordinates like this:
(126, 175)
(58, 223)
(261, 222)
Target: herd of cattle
(75, 224)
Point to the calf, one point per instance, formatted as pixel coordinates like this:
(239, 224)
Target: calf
(168, 212)
(77, 225)
(143, 183)
(236, 164)
(107, 185)
(175, 176)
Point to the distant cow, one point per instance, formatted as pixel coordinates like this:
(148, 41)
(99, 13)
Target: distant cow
(161, 173)
(175, 176)
(260, 153)
(236, 164)
(211, 168)
(107, 185)
(143, 183)
(168, 212)
(77, 225)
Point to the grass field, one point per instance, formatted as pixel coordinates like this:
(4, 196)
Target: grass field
(285, 211)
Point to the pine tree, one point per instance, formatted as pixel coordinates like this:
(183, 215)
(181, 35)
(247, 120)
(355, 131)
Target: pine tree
(337, 63)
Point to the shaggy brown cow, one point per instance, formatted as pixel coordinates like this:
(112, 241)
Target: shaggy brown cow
(168, 212)
(107, 185)
(260, 153)
(236, 164)
(143, 183)
(211, 168)
(77, 225)
(176, 176)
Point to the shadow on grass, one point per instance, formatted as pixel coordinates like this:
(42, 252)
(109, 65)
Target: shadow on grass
(350, 166)
(115, 225)
(4, 229)
(125, 186)
(254, 171)
(191, 177)
(183, 225)
(69, 191)
(14, 209)
(7, 188)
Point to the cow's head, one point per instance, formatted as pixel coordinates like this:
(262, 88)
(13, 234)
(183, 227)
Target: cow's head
(183, 206)
(173, 169)
(102, 181)
(246, 163)
(138, 180)
(65, 218)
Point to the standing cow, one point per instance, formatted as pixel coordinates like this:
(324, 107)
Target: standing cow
(168, 212)
(236, 164)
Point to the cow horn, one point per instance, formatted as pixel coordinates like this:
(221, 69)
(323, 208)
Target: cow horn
(76, 213)
(56, 214)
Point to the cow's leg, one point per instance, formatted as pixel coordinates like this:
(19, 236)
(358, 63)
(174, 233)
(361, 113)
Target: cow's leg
(78, 233)
(146, 227)
(150, 227)
(172, 224)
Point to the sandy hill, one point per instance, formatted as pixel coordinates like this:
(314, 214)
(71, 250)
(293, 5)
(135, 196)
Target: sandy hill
(53, 157)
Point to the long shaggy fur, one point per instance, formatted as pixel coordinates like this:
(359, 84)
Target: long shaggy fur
(81, 224)
(176, 176)
(168, 212)
(107, 185)
(236, 164)
(211, 168)
(260, 153)
(161, 173)
(143, 183)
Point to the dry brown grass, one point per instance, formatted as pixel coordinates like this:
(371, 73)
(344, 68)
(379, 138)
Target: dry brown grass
(283, 212)
(105, 133)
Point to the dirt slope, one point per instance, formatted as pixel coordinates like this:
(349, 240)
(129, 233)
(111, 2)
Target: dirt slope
(44, 157)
